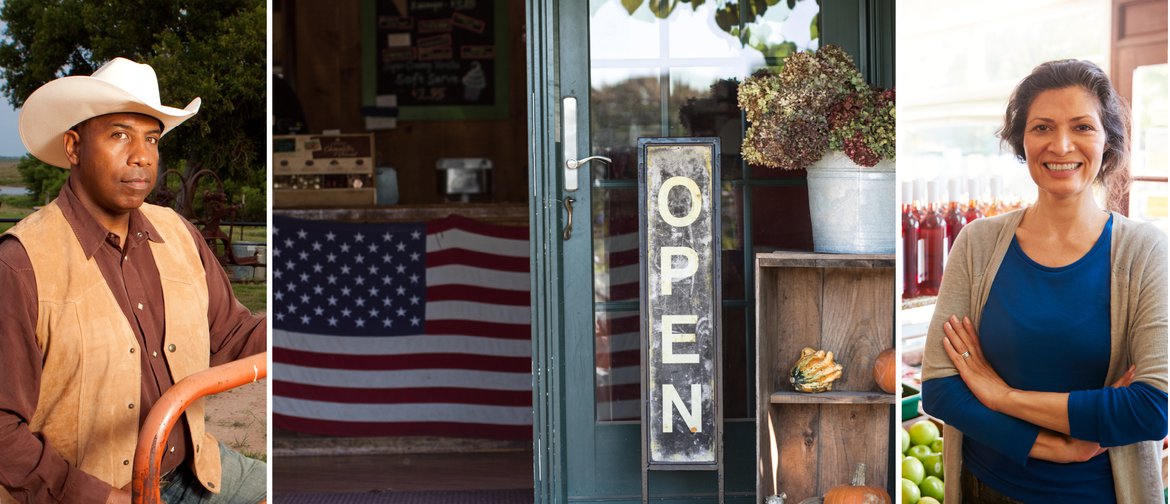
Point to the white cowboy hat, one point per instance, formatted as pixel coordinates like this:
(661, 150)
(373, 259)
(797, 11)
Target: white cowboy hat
(120, 85)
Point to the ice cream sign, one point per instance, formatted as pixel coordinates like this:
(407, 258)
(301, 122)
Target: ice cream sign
(680, 302)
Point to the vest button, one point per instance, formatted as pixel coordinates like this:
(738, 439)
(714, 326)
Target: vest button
(210, 485)
(154, 354)
(171, 347)
(131, 405)
(125, 462)
(131, 350)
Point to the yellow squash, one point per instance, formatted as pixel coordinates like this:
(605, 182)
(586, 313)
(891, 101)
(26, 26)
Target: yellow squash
(815, 371)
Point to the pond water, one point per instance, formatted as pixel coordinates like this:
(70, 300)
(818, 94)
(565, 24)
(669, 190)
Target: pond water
(12, 191)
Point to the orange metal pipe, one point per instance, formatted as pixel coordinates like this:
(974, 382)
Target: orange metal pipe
(169, 409)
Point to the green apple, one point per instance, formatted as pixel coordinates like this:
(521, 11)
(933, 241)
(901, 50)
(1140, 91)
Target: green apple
(928, 500)
(913, 470)
(910, 492)
(932, 487)
(905, 437)
(923, 432)
(918, 451)
(933, 464)
(937, 446)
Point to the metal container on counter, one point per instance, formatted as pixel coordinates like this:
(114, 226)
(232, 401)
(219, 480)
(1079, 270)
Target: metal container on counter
(460, 178)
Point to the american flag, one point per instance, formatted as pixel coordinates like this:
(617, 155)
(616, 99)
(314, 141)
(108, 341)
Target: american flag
(401, 329)
(618, 385)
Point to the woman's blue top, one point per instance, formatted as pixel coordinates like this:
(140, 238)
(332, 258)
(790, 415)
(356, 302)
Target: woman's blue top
(1047, 330)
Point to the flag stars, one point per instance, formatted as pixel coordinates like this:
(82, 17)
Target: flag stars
(414, 256)
(331, 257)
(416, 235)
(277, 274)
(386, 322)
(387, 303)
(360, 259)
(318, 290)
(373, 248)
(332, 300)
(388, 259)
(345, 312)
(401, 312)
(292, 287)
(302, 234)
(304, 320)
(373, 269)
(303, 255)
(288, 243)
(414, 278)
(414, 300)
(291, 265)
(316, 246)
(359, 237)
(280, 316)
(332, 321)
(304, 299)
(401, 246)
(292, 308)
(332, 279)
(360, 301)
(387, 280)
(330, 236)
(317, 268)
(414, 321)
(275, 251)
(345, 291)
(279, 296)
(400, 269)
(345, 270)
(387, 237)
(373, 292)
(318, 311)
(373, 313)
(401, 290)
(359, 280)
(304, 277)
(359, 322)
(345, 248)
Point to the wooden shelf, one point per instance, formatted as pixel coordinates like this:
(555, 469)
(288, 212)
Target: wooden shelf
(809, 443)
(784, 397)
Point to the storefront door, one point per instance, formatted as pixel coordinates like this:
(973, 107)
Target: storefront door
(603, 73)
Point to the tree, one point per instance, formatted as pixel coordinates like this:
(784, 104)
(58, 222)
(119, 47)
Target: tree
(214, 49)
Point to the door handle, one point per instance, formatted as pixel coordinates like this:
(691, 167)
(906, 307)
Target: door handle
(569, 112)
(569, 224)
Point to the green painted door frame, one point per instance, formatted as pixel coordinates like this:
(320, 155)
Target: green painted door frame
(865, 28)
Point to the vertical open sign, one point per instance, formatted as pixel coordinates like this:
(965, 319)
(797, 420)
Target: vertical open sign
(678, 182)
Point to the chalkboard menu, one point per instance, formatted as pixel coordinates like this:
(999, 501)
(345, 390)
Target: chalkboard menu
(440, 59)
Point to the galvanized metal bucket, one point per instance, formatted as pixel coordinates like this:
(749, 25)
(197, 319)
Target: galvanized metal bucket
(852, 207)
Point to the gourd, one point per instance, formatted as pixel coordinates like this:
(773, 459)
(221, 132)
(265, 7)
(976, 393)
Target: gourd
(885, 371)
(857, 493)
(815, 371)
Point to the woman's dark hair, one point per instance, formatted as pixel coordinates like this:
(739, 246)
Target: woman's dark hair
(1114, 174)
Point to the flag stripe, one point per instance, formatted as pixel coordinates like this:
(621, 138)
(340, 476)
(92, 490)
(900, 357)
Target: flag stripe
(470, 275)
(435, 428)
(403, 345)
(402, 362)
(446, 257)
(403, 395)
(473, 292)
(413, 412)
(480, 328)
(402, 378)
(467, 310)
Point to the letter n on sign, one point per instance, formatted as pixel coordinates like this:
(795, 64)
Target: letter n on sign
(678, 203)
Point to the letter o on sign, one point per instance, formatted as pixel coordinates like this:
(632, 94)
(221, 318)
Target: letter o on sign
(664, 201)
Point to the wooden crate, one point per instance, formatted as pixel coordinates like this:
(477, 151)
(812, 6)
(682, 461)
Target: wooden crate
(809, 443)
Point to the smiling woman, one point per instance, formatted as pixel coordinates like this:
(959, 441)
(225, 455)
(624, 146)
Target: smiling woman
(1046, 355)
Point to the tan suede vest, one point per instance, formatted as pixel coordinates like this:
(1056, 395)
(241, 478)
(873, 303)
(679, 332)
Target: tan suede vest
(88, 409)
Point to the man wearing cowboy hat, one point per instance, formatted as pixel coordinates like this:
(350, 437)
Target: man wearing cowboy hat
(107, 302)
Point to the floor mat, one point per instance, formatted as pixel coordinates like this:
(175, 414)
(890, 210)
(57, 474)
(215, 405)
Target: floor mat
(522, 496)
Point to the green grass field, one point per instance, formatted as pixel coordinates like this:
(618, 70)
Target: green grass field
(8, 174)
(253, 295)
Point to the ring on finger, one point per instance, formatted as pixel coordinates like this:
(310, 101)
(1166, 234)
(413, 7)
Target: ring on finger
(966, 354)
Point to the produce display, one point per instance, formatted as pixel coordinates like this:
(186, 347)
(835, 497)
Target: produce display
(922, 464)
(815, 371)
